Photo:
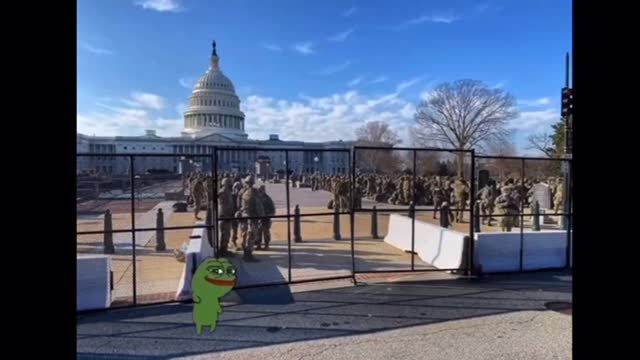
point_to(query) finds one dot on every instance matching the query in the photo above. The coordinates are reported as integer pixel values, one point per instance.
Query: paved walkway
(500, 317)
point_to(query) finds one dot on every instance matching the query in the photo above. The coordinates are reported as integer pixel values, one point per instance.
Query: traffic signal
(567, 102)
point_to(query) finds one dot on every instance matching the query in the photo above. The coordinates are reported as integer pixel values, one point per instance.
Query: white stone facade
(213, 118)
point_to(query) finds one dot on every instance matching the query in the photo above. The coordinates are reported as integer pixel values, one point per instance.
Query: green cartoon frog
(213, 279)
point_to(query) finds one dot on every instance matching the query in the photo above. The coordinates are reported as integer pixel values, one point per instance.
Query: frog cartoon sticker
(213, 279)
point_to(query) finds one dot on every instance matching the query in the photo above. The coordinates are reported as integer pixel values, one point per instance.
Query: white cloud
(537, 102)
(408, 83)
(334, 69)
(272, 47)
(331, 117)
(145, 100)
(114, 121)
(341, 36)
(161, 5)
(305, 48)
(187, 82)
(408, 110)
(355, 81)
(437, 18)
(349, 11)
(535, 120)
(95, 50)
(379, 79)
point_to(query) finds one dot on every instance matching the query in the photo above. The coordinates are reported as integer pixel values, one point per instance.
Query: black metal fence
(122, 205)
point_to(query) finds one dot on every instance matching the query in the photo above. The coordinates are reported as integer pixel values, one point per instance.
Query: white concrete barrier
(494, 251)
(435, 245)
(500, 251)
(93, 278)
(198, 250)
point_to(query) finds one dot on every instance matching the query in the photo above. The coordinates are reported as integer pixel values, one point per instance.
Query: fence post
(444, 215)
(108, 235)
(476, 217)
(374, 223)
(297, 237)
(209, 222)
(536, 216)
(336, 223)
(160, 244)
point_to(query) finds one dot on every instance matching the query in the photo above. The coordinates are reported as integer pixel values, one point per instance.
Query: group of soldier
(503, 196)
(240, 206)
(243, 207)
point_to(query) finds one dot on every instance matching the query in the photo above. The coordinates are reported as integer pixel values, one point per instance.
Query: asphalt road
(500, 317)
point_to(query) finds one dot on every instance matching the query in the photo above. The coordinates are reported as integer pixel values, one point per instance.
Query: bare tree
(501, 148)
(378, 134)
(464, 114)
(543, 143)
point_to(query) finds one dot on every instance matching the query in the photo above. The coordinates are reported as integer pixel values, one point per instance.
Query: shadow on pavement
(167, 331)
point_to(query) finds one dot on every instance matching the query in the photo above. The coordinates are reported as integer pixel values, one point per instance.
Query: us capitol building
(213, 118)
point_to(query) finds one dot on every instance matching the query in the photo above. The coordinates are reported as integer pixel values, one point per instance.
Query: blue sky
(314, 70)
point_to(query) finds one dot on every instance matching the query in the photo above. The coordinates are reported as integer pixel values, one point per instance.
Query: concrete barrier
(93, 279)
(500, 252)
(494, 251)
(198, 250)
(435, 245)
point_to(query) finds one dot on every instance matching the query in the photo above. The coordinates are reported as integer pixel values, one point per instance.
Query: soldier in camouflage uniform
(235, 191)
(407, 195)
(461, 196)
(199, 193)
(487, 203)
(438, 195)
(371, 187)
(264, 234)
(506, 206)
(226, 208)
(558, 200)
(251, 207)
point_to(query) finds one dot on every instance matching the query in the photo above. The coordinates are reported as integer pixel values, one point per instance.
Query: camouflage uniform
(235, 190)
(264, 234)
(438, 196)
(461, 194)
(251, 207)
(199, 194)
(487, 203)
(508, 207)
(226, 208)
(407, 196)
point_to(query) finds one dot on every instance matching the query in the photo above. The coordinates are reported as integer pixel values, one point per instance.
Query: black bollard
(160, 244)
(336, 224)
(444, 215)
(108, 235)
(297, 237)
(536, 216)
(476, 217)
(374, 223)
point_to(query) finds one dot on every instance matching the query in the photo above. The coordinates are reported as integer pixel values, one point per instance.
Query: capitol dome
(214, 107)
